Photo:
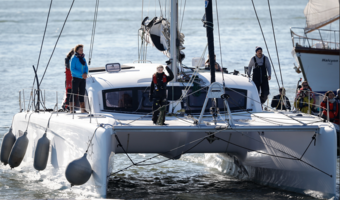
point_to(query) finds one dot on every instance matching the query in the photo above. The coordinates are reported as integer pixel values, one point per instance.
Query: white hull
(320, 70)
(69, 138)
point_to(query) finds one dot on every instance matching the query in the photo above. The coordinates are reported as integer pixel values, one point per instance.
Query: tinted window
(137, 100)
(119, 99)
(143, 101)
(237, 101)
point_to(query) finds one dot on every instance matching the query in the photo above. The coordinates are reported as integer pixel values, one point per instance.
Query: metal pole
(320, 106)
(173, 38)
(20, 100)
(23, 95)
(44, 100)
(323, 44)
(309, 103)
(209, 24)
(34, 100)
(73, 103)
(327, 110)
(281, 99)
(57, 101)
(90, 110)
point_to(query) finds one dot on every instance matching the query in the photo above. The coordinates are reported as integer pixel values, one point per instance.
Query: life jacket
(161, 85)
(260, 71)
(155, 78)
(333, 108)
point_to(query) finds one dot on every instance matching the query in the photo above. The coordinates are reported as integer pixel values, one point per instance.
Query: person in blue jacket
(79, 71)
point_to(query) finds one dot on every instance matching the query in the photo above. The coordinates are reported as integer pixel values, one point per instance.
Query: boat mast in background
(173, 37)
(209, 24)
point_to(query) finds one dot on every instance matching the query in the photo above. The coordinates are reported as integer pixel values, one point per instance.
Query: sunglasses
(305, 85)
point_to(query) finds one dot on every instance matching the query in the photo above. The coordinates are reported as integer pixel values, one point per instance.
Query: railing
(32, 102)
(318, 39)
(318, 99)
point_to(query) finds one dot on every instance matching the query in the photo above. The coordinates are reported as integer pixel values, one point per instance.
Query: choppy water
(193, 176)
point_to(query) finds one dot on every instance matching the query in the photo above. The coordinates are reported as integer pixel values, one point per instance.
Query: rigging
(277, 52)
(93, 30)
(264, 39)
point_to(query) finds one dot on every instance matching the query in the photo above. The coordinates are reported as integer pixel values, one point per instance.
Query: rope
(264, 39)
(191, 80)
(294, 158)
(160, 7)
(313, 139)
(185, 2)
(28, 122)
(214, 134)
(139, 163)
(57, 42)
(219, 38)
(42, 43)
(93, 30)
(88, 146)
(277, 52)
(265, 119)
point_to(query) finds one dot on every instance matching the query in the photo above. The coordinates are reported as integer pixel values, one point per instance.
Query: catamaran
(208, 112)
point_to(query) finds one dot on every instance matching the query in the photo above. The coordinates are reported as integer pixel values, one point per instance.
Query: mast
(173, 38)
(209, 24)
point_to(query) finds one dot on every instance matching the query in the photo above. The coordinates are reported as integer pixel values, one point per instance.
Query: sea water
(194, 176)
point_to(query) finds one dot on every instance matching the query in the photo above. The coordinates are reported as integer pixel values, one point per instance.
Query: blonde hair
(77, 47)
(160, 66)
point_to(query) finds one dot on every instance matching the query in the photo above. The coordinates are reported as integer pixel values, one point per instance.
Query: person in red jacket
(332, 105)
(68, 81)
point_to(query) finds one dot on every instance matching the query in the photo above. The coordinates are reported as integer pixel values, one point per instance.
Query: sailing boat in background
(316, 50)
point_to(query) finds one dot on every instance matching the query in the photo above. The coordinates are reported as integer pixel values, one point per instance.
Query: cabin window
(136, 100)
(143, 101)
(237, 101)
(120, 100)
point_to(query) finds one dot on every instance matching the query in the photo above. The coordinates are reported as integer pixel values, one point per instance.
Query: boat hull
(320, 68)
(264, 154)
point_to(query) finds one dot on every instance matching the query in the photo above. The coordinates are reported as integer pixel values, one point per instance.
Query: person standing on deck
(79, 70)
(158, 91)
(261, 73)
(68, 80)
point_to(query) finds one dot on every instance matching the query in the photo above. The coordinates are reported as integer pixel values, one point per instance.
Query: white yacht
(316, 50)
(287, 150)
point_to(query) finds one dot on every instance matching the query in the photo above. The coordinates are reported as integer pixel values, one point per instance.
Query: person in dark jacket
(281, 99)
(261, 73)
(158, 91)
(217, 66)
(79, 70)
(68, 79)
